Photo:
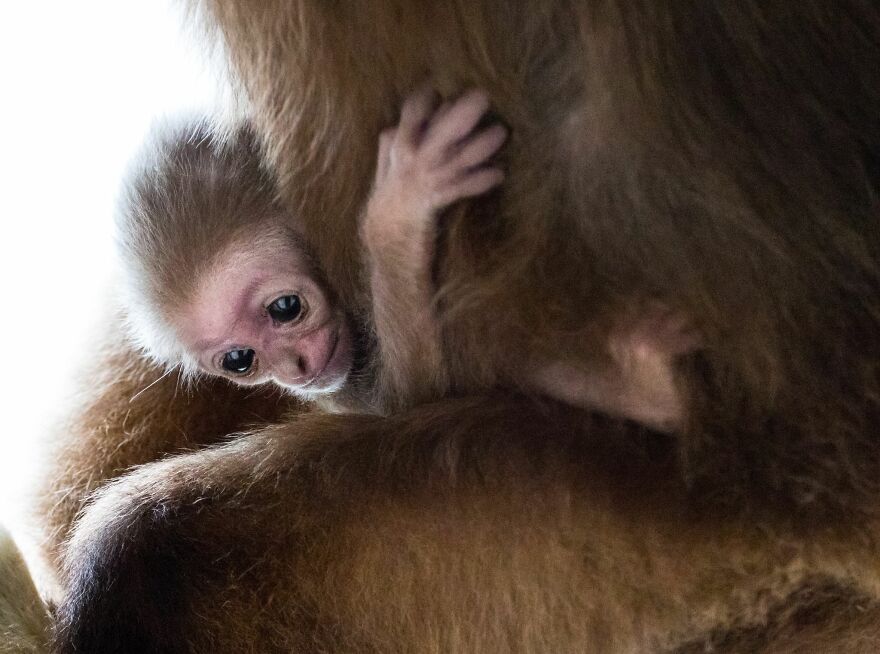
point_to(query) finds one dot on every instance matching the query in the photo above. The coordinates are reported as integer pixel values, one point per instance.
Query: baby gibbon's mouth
(327, 362)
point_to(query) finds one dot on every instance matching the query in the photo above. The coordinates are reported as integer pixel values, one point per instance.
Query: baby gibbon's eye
(238, 361)
(285, 309)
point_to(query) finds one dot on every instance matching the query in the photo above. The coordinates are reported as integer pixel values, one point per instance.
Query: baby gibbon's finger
(415, 113)
(475, 182)
(478, 148)
(458, 121)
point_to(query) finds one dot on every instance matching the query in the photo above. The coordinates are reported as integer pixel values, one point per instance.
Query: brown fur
(818, 618)
(405, 534)
(720, 157)
(709, 155)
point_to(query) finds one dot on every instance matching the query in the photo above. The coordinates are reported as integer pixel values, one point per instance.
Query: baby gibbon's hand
(432, 159)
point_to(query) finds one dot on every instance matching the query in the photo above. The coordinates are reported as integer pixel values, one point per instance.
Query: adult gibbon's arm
(127, 414)
(449, 528)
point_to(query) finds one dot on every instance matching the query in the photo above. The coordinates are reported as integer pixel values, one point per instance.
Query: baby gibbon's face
(261, 316)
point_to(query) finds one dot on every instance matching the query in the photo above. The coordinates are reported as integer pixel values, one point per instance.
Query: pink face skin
(309, 354)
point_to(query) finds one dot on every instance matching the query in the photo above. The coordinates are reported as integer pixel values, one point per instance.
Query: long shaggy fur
(696, 166)
(405, 534)
(711, 155)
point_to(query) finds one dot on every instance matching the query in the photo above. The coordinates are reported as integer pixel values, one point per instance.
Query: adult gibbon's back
(718, 157)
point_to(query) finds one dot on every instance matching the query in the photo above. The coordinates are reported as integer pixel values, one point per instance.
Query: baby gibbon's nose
(301, 360)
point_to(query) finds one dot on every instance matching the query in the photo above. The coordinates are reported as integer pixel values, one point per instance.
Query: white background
(80, 83)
